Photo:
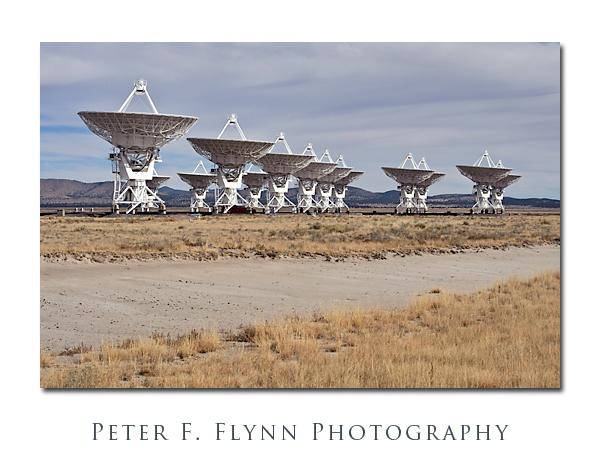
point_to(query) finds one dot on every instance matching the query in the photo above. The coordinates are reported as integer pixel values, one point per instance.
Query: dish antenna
(199, 180)
(484, 179)
(308, 178)
(137, 139)
(279, 167)
(325, 182)
(422, 188)
(255, 181)
(409, 179)
(230, 157)
(340, 189)
(157, 181)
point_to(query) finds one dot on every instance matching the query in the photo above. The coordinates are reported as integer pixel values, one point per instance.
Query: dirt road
(92, 302)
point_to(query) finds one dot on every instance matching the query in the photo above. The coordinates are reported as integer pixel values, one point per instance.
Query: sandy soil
(92, 302)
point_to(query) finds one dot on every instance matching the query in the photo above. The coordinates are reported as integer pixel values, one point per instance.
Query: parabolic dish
(198, 180)
(436, 177)
(230, 153)
(283, 164)
(137, 130)
(254, 179)
(407, 176)
(157, 181)
(506, 181)
(314, 170)
(348, 179)
(484, 175)
(335, 175)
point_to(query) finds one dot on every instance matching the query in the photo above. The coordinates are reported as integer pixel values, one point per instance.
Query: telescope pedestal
(324, 197)
(421, 193)
(407, 202)
(339, 193)
(136, 194)
(278, 187)
(198, 195)
(483, 194)
(306, 190)
(229, 198)
(254, 199)
(497, 195)
(229, 180)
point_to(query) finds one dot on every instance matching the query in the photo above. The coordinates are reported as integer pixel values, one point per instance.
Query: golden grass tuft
(507, 336)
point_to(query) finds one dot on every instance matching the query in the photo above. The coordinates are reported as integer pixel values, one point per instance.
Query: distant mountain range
(71, 193)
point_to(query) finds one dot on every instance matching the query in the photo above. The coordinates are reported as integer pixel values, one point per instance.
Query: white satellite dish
(279, 167)
(340, 189)
(256, 182)
(307, 179)
(409, 180)
(230, 157)
(325, 184)
(137, 139)
(157, 181)
(199, 182)
(484, 179)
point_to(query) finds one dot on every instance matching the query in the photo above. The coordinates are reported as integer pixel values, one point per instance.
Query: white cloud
(371, 102)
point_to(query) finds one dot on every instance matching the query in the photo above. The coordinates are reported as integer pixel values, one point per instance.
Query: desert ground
(90, 302)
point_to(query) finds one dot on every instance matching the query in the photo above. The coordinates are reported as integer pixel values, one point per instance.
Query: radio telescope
(497, 191)
(154, 184)
(279, 168)
(137, 139)
(199, 182)
(325, 182)
(484, 178)
(340, 189)
(157, 181)
(230, 157)
(422, 188)
(255, 181)
(307, 179)
(408, 179)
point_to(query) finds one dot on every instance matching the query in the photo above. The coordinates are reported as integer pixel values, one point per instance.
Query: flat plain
(105, 281)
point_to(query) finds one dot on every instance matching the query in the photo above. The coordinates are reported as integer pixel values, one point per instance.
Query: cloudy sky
(371, 102)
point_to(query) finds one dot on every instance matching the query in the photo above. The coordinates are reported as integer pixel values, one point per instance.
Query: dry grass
(291, 235)
(504, 337)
